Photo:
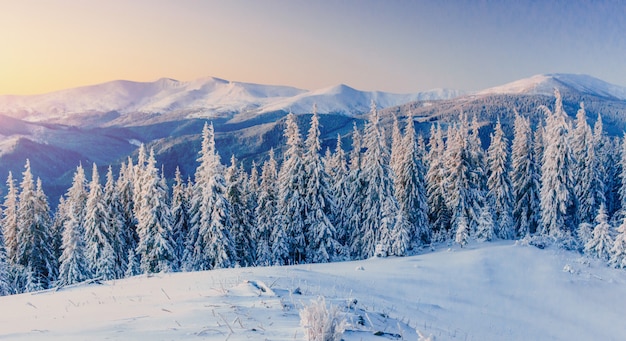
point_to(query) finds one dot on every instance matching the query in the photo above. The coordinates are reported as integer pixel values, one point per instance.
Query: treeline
(560, 184)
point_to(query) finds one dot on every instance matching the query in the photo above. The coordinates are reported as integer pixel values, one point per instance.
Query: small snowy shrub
(322, 323)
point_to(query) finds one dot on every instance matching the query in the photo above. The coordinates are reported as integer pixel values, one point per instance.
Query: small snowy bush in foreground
(322, 323)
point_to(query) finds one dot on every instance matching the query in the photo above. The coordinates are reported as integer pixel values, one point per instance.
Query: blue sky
(398, 46)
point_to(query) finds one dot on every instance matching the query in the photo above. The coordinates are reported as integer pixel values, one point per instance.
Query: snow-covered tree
(210, 245)
(500, 191)
(5, 287)
(485, 229)
(74, 267)
(266, 211)
(241, 225)
(410, 188)
(463, 179)
(34, 241)
(99, 249)
(438, 211)
(586, 170)
(525, 179)
(380, 208)
(156, 246)
(180, 215)
(291, 208)
(601, 242)
(318, 200)
(462, 231)
(397, 145)
(115, 224)
(124, 188)
(9, 220)
(618, 251)
(557, 198)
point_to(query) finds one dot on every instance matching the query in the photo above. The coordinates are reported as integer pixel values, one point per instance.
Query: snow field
(492, 291)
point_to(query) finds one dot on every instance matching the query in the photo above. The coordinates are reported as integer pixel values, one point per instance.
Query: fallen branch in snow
(57, 288)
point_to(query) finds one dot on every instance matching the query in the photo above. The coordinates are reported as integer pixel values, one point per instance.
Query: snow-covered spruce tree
(292, 186)
(622, 178)
(462, 184)
(319, 201)
(410, 188)
(525, 179)
(586, 170)
(180, 216)
(339, 174)
(266, 211)
(610, 157)
(34, 242)
(397, 146)
(462, 231)
(485, 229)
(99, 250)
(380, 208)
(477, 161)
(241, 225)
(500, 191)
(251, 198)
(210, 245)
(73, 267)
(601, 242)
(5, 287)
(9, 220)
(133, 267)
(156, 246)
(351, 197)
(124, 187)
(604, 172)
(438, 211)
(618, 251)
(115, 224)
(557, 197)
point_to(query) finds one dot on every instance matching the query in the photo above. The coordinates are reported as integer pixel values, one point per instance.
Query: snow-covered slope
(208, 97)
(494, 291)
(545, 85)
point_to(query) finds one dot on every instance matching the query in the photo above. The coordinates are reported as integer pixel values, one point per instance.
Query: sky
(395, 46)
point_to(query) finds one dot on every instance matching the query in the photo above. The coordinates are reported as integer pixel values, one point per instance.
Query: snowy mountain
(104, 123)
(202, 98)
(545, 85)
(491, 291)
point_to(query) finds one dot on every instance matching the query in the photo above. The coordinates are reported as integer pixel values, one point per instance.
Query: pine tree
(397, 146)
(380, 208)
(463, 178)
(74, 267)
(556, 175)
(618, 251)
(266, 211)
(5, 288)
(210, 245)
(500, 193)
(601, 242)
(292, 183)
(124, 188)
(462, 231)
(485, 230)
(439, 214)
(588, 189)
(525, 179)
(34, 242)
(410, 187)
(156, 247)
(115, 224)
(353, 189)
(99, 250)
(9, 220)
(318, 200)
(241, 225)
(133, 267)
(180, 216)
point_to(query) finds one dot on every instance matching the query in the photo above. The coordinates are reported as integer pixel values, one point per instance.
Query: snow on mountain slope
(545, 84)
(344, 99)
(492, 291)
(162, 95)
(205, 97)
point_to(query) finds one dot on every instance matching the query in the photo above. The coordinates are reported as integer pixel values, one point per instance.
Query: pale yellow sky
(398, 46)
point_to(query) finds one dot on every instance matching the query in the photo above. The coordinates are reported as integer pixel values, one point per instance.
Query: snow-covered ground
(493, 291)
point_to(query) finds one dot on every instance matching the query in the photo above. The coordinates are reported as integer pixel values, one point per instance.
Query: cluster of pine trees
(559, 184)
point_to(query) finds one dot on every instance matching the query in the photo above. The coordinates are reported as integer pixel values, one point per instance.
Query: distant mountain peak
(544, 84)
